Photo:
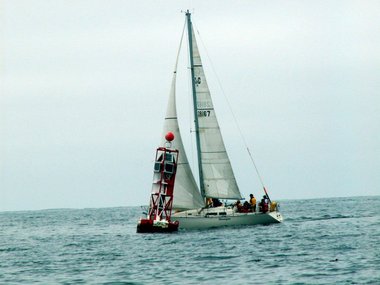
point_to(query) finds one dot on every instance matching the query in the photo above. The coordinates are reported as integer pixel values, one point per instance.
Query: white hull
(223, 216)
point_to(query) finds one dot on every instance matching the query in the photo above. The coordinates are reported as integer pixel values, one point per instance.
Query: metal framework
(161, 198)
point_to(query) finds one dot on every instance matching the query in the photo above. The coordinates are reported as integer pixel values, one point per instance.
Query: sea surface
(322, 241)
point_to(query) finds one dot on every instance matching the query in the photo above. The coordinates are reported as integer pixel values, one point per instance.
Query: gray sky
(84, 87)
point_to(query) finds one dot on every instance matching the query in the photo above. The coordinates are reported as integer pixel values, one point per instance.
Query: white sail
(218, 177)
(186, 193)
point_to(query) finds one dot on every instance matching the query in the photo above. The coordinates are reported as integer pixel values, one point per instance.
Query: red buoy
(169, 136)
(158, 216)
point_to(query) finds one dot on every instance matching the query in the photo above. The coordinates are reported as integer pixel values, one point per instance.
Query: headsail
(186, 193)
(218, 177)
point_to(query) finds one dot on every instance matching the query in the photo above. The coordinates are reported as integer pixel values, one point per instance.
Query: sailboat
(215, 173)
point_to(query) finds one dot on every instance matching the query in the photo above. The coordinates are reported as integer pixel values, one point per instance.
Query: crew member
(264, 204)
(252, 201)
(216, 202)
(239, 206)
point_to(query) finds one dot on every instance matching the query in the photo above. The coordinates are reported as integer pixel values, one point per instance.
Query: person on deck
(216, 202)
(264, 204)
(252, 201)
(247, 207)
(239, 206)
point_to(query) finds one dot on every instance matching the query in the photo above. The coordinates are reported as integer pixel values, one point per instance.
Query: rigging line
(179, 48)
(233, 114)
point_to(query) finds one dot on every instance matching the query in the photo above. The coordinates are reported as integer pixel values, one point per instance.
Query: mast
(197, 139)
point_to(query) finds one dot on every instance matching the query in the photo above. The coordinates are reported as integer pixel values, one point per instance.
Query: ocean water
(322, 241)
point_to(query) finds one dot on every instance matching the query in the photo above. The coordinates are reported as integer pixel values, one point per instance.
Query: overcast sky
(84, 88)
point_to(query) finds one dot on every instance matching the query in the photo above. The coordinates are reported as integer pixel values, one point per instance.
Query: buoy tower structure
(161, 198)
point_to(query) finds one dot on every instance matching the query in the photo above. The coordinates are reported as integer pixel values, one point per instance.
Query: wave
(320, 218)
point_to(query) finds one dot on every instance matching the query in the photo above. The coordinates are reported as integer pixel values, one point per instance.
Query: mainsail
(186, 193)
(218, 178)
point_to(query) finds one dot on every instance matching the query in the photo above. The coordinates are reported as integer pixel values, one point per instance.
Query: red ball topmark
(169, 136)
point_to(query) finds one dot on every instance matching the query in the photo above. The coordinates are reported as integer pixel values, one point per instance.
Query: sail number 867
(204, 113)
